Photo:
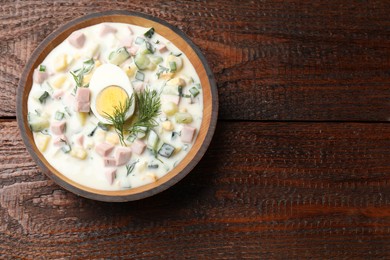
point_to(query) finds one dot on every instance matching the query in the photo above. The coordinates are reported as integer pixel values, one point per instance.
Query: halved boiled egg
(110, 88)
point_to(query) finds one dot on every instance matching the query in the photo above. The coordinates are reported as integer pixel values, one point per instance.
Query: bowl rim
(23, 126)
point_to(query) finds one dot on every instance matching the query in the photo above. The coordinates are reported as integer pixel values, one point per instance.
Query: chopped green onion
(152, 165)
(166, 150)
(66, 148)
(149, 33)
(172, 66)
(130, 167)
(59, 115)
(42, 68)
(45, 95)
(139, 40)
(180, 90)
(140, 76)
(194, 91)
(103, 126)
(92, 132)
(174, 135)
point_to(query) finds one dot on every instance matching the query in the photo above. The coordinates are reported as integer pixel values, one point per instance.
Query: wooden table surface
(300, 163)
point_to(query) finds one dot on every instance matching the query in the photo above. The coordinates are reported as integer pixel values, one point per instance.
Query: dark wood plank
(275, 60)
(270, 190)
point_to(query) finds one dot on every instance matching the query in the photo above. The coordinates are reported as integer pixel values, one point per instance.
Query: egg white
(109, 75)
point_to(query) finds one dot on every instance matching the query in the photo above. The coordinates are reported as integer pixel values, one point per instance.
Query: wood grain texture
(304, 190)
(277, 60)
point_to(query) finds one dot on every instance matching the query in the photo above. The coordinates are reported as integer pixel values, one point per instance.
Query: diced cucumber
(152, 141)
(141, 61)
(37, 123)
(172, 66)
(169, 108)
(43, 97)
(146, 48)
(59, 115)
(166, 150)
(183, 118)
(156, 59)
(119, 56)
(42, 68)
(194, 91)
(140, 76)
(149, 33)
(139, 40)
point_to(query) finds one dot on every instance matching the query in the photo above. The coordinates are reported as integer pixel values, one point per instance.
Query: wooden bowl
(210, 106)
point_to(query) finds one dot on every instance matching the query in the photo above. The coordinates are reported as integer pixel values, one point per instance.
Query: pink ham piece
(110, 175)
(171, 98)
(109, 161)
(127, 41)
(77, 39)
(122, 155)
(82, 107)
(83, 94)
(40, 76)
(80, 140)
(60, 140)
(58, 94)
(138, 147)
(104, 149)
(133, 50)
(106, 29)
(187, 134)
(82, 103)
(161, 48)
(58, 128)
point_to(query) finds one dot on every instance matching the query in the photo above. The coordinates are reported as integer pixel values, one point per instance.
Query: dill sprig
(78, 75)
(148, 103)
(118, 118)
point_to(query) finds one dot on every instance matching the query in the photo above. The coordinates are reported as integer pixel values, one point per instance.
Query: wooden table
(300, 163)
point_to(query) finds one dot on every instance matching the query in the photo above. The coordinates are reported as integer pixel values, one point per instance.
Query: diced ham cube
(161, 48)
(58, 94)
(133, 50)
(82, 106)
(60, 140)
(58, 128)
(171, 98)
(40, 76)
(77, 39)
(104, 149)
(80, 140)
(122, 155)
(127, 41)
(83, 94)
(106, 29)
(138, 147)
(110, 175)
(138, 86)
(109, 161)
(187, 134)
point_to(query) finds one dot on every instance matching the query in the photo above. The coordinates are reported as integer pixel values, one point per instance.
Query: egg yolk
(109, 99)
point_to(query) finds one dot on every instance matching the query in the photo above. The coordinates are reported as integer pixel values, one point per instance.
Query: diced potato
(130, 69)
(42, 141)
(183, 110)
(58, 82)
(112, 138)
(141, 166)
(87, 78)
(79, 153)
(177, 82)
(169, 108)
(97, 63)
(183, 118)
(177, 150)
(82, 117)
(37, 123)
(61, 63)
(166, 76)
(149, 177)
(167, 125)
